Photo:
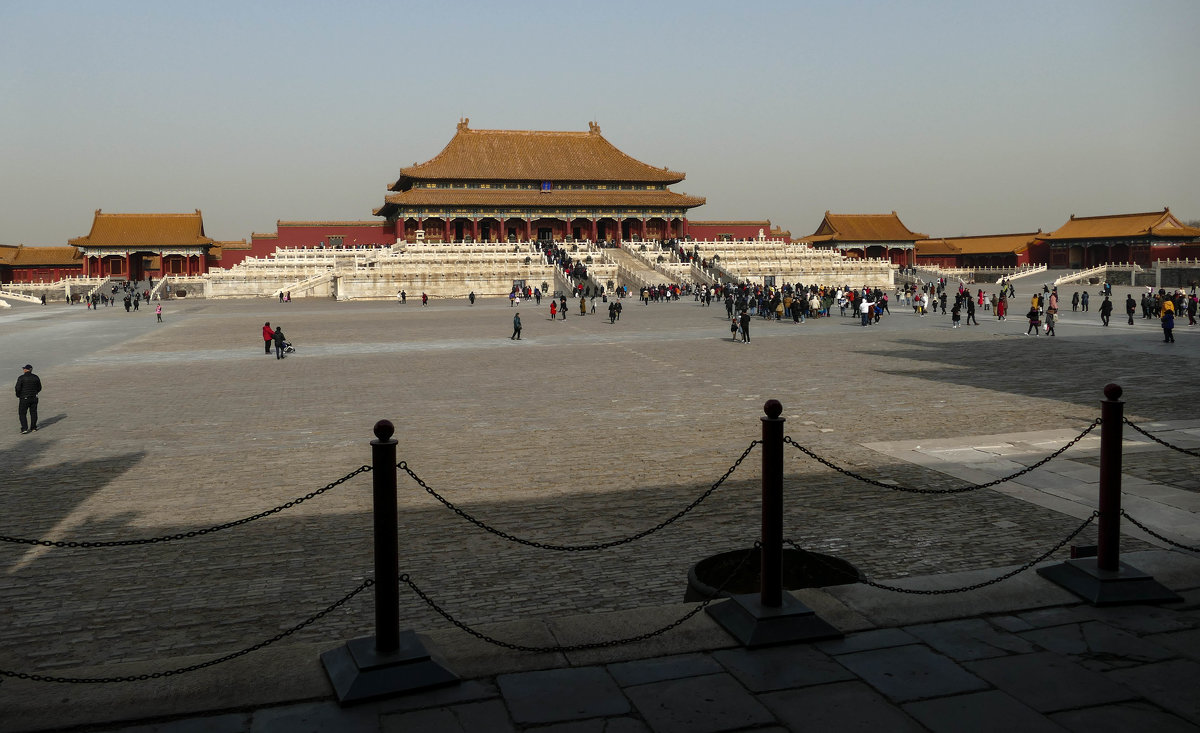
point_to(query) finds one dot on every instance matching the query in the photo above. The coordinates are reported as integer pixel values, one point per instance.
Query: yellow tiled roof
(219, 248)
(981, 244)
(123, 230)
(25, 256)
(1152, 223)
(533, 155)
(863, 228)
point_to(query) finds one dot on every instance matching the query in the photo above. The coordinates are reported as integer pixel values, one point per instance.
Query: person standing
(471, 297)
(424, 300)
(553, 309)
(1083, 302)
(28, 387)
(744, 323)
(516, 327)
(1051, 319)
(279, 343)
(1130, 307)
(268, 337)
(971, 310)
(1106, 309)
(1035, 320)
(1168, 326)
(158, 312)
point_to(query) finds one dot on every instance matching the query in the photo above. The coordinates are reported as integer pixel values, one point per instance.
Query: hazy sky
(965, 117)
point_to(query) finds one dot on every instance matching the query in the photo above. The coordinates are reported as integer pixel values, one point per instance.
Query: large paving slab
(586, 432)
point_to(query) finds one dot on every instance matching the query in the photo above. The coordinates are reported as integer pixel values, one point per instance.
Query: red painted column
(475, 229)
(685, 227)
(595, 230)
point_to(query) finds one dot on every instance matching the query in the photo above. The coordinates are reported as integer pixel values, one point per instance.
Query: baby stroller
(288, 348)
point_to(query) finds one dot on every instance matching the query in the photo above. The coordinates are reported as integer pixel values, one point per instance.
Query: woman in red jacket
(268, 336)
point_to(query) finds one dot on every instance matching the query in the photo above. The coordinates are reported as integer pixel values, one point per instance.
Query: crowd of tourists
(129, 294)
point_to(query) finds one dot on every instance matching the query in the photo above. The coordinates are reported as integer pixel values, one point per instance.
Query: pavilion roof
(25, 256)
(977, 245)
(532, 155)
(558, 198)
(863, 228)
(219, 248)
(1152, 223)
(123, 230)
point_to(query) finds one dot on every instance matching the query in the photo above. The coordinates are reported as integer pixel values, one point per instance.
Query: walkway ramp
(632, 270)
(306, 284)
(19, 296)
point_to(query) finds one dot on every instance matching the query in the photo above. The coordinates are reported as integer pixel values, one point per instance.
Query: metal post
(1112, 411)
(771, 590)
(387, 543)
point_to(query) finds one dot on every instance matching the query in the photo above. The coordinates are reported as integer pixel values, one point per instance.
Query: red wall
(38, 273)
(352, 235)
(704, 231)
(1174, 252)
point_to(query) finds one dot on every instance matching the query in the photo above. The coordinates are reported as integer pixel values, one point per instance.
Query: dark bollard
(771, 616)
(771, 589)
(1104, 580)
(387, 542)
(1112, 410)
(390, 662)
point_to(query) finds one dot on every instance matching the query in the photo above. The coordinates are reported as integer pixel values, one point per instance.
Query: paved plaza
(583, 431)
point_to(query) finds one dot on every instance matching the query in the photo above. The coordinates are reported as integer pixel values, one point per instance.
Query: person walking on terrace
(28, 387)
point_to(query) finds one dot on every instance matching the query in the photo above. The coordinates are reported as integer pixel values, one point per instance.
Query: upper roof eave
(532, 155)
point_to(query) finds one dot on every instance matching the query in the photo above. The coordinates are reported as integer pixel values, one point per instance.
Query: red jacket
(268, 334)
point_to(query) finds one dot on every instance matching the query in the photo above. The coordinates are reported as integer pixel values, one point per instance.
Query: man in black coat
(28, 386)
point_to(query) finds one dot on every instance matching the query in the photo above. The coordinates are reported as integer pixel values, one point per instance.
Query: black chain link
(1152, 533)
(958, 490)
(403, 466)
(183, 670)
(189, 534)
(579, 647)
(1159, 440)
(976, 586)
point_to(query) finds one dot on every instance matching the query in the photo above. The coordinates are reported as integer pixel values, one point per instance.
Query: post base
(755, 625)
(1125, 585)
(359, 672)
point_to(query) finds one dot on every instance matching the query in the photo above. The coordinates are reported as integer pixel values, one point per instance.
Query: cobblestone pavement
(581, 432)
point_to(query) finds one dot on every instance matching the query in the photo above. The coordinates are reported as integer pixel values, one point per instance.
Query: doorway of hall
(545, 234)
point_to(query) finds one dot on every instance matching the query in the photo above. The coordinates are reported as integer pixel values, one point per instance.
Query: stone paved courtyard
(581, 432)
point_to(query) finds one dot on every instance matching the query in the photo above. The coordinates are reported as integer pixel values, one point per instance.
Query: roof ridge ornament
(463, 123)
(594, 127)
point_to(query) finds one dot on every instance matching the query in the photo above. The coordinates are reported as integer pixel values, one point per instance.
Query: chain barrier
(1159, 440)
(976, 586)
(403, 465)
(404, 578)
(958, 490)
(183, 670)
(1152, 533)
(192, 533)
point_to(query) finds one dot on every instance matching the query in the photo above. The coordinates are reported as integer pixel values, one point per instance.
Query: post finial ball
(384, 429)
(773, 408)
(1113, 391)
